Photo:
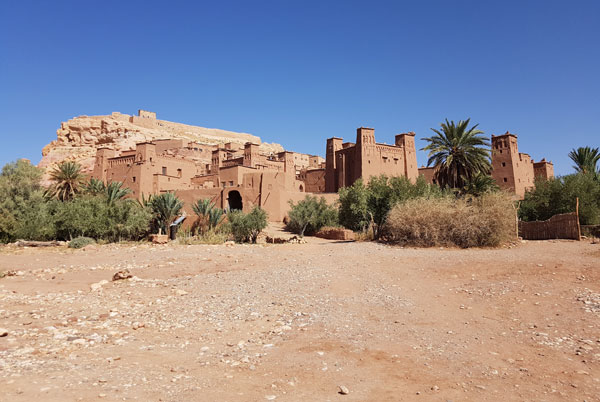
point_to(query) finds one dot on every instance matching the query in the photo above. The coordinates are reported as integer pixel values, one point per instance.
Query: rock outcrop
(78, 138)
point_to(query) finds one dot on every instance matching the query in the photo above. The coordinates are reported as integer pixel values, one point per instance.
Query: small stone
(343, 390)
(122, 274)
(3, 332)
(181, 292)
(435, 388)
(270, 397)
(137, 325)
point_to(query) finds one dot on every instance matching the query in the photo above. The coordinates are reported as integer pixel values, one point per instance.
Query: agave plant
(459, 152)
(67, 180)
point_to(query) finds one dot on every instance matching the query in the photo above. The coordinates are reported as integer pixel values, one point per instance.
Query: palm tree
(480, 184)
(586, 159)
(115, 191)
(209, 216)
(215, 217)
(166, 208)
(459, 153)
(94, 187)
(67, 180)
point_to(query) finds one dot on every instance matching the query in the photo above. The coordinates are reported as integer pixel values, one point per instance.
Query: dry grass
(487, 221)
(210, 237)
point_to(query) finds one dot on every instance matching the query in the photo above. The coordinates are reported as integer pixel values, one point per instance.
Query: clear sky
(298, 72)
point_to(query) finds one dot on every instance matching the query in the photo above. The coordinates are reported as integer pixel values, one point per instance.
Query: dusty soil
(294, 322)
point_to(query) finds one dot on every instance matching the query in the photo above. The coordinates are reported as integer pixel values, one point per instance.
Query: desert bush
(80, 242)
(247, 227)
(558, 196)
(23, 210)
(486, 221)
(310, 215)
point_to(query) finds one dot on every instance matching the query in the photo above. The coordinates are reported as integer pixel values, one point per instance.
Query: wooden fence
(563, 226)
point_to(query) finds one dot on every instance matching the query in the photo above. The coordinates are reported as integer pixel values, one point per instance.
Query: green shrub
(247, 227)
(558, 196)
(310, 215)
(81, 241)
(364, 206)
(486, 221)
(92, 216)
(353, 211)
(23, 212)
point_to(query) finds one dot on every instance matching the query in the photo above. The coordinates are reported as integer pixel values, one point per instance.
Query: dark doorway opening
(235, 200)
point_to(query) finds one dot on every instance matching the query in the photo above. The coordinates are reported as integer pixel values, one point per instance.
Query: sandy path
(293, 322)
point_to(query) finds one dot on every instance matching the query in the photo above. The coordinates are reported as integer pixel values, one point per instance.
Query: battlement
(146, 114)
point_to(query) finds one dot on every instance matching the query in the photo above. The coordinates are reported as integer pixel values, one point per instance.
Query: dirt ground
(294, 322)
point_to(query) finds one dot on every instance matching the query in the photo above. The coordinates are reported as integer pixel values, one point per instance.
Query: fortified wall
(515, 171)
(346, 162)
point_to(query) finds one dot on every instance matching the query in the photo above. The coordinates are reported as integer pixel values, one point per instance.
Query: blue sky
(297, 72)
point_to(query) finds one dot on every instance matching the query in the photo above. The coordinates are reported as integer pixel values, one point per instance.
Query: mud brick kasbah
(241, 176)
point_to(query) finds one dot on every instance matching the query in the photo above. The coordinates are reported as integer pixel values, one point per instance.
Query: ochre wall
(346, 162)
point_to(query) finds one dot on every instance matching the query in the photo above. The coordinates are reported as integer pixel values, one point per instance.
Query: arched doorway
(234, 200)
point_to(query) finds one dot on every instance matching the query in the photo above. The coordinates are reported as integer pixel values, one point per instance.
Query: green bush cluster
(27, 212)
(363, 206)
(245, 227)
(308, 216)
(80, 242)
(559, 195)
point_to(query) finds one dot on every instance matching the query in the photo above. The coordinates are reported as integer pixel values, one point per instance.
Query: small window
(164, 170)
(505, 180)
(133, 179)
(500, 151)
(230, 183)
(178, 172)
(503, 164)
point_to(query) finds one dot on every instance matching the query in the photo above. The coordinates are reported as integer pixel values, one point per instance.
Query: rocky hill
(78, 138)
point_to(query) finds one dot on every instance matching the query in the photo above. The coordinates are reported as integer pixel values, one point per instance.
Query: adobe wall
(313, 180)
(146, 114)
(143, 171)
(144, 118)
(346, 162)
(512, 170)
(543, 169)
(428, 174)
(333, 145)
